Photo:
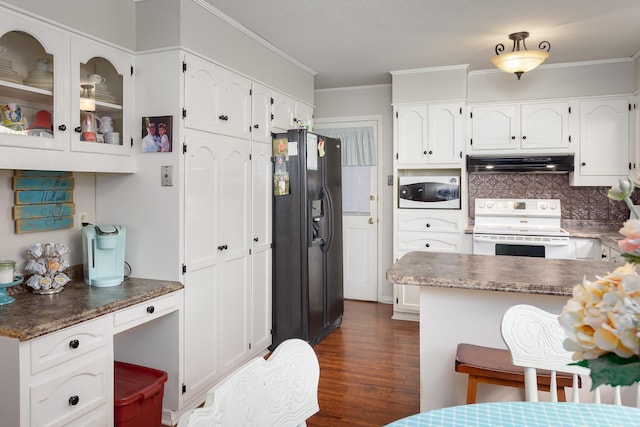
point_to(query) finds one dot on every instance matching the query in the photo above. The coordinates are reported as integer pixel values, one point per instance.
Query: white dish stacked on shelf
(41, 77)
(7, 73)
(104, 95)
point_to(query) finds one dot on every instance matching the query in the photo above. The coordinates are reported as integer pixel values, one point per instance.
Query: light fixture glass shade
(519, 61)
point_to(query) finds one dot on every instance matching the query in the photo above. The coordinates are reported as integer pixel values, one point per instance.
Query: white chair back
(534, 338)
(281, 391)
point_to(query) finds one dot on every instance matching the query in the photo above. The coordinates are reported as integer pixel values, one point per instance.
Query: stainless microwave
(429, 192)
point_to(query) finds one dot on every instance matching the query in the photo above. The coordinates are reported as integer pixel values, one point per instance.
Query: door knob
(371, 220)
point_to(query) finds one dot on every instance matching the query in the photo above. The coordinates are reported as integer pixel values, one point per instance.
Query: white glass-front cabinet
(108, 73)
(41, 71)
(34, 61)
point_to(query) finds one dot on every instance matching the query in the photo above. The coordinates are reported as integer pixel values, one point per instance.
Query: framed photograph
(157, 134)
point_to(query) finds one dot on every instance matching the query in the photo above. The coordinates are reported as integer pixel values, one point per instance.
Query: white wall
(195, 25)
(14, 245)
(109, 20)
(594, 78)
(369, 101)
(432, 84)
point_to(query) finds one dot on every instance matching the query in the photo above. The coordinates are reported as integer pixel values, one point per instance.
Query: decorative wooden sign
(43, 200)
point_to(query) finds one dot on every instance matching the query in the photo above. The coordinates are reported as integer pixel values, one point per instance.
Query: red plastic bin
(138, 395)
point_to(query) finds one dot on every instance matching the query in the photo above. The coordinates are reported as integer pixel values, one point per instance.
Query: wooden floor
(369, 369)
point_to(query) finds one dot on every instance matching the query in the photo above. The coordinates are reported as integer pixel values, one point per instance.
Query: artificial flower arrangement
(602, 320)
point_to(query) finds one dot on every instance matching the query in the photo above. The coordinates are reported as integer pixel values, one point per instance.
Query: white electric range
(520, 227)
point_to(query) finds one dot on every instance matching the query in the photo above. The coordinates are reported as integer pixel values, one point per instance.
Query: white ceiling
(357, 42)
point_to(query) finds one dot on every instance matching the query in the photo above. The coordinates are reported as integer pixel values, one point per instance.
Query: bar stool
(493, 366)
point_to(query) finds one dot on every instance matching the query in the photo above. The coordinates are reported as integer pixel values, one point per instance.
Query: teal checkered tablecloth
(525, 414)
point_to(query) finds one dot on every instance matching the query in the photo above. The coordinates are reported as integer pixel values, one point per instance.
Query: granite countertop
(32, 315)
(529, 275)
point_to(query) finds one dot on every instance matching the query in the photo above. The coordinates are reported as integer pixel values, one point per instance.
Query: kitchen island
(463, 298)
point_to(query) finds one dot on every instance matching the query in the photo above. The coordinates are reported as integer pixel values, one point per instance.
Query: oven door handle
(489, 239)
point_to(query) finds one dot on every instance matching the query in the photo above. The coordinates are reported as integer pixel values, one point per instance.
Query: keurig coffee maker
(103, 254)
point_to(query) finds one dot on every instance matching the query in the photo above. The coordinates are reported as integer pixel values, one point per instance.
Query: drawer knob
(74, 343)
(62, 128)
(78, 129)
(428, 225)
(427, 245)
(151, 309)
(73, 400)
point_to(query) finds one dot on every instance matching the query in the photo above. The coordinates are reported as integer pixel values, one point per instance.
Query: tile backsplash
(578, 203)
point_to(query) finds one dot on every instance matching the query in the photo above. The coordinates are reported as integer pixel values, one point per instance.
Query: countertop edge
(156, 289)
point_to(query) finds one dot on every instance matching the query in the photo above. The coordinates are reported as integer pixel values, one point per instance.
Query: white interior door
(360, 246)
(360, 229)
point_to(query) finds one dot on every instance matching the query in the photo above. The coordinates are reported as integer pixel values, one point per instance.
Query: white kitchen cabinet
(62, 378)
(604, 156)
(45, 59)
(406, 299)
(261, 97)
(215, 99)
(430, 134)
(201, 229)
(424, 230)
(614, 255)
(586, 249)
(261, 253)
(217, 233)
(289, 113)
(526, 128)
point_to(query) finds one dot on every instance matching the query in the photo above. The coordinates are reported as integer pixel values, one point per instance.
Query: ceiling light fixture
(520, 60)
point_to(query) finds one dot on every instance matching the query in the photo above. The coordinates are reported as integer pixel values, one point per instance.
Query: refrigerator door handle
(329, 202)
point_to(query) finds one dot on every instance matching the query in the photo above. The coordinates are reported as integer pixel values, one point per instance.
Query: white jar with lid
(7, 271)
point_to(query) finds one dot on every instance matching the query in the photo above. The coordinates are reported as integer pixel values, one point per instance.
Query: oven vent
(554, 163)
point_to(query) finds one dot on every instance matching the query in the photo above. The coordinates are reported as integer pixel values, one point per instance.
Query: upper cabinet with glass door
(102, 80)
(45, 70)
(33, 59)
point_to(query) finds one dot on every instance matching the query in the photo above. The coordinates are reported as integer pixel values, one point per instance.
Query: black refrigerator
(308, 297)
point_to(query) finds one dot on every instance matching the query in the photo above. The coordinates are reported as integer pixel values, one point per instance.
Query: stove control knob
(553, 206)
(489, 205)
(543, 206)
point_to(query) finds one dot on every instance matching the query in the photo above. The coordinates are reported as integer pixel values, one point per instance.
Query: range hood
(529, 163)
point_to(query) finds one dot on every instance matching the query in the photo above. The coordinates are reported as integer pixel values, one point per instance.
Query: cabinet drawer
(146, 311)
(71, 394)
(428, 221)
(68, 343)
(430, 242)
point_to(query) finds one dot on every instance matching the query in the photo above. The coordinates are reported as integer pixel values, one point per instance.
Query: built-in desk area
(463, 298)
(57, 351)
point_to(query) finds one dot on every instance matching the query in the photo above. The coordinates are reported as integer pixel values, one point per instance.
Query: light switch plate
(166, 176)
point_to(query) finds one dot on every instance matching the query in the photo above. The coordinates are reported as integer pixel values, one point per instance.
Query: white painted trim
(430, 69)
(253, 35)
(440, 101)
(71, 30)
(379, 184)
